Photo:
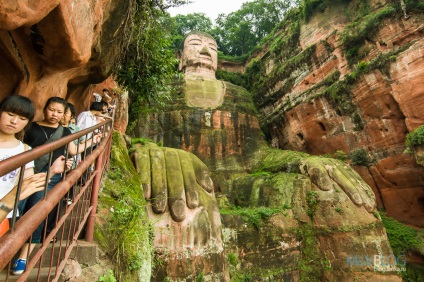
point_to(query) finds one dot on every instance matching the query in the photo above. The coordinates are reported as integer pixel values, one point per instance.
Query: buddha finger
(190, 184)
(159, 185)
(175, 180)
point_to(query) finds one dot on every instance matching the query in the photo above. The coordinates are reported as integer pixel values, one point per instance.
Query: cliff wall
(351, 79)
(58, 48)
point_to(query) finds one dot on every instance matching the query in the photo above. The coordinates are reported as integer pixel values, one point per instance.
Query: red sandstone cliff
(58, 48)
(388, 102)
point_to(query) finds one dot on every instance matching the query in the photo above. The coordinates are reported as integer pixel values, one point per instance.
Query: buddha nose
(205, 51)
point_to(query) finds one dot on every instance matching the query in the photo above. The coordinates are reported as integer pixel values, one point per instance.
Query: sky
(210, 7)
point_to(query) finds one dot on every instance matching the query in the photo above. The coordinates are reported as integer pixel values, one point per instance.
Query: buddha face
(199, 51)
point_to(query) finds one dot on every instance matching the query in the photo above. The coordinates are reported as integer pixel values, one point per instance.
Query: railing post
(89, 232)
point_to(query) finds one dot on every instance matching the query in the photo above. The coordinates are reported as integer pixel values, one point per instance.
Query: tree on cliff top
(183, 24)
(147, 61)
(238, 32)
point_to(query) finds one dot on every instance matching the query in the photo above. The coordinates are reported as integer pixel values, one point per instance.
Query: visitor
(97, 97)
(88, 118)
(66, 122)
(37, 134)
(15, 114)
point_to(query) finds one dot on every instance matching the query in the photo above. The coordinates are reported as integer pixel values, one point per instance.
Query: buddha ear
(179, 57)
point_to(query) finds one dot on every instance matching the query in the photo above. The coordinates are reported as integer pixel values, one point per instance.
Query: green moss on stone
(310, 267)
(275, 160)
(403, 238)
(354, 35)
(124, 233)
(254, 216)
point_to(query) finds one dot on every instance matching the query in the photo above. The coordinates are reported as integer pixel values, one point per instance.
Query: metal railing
(70, 219)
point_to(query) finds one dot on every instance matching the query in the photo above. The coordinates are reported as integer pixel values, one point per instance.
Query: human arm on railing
(74, 149)
(31, 183)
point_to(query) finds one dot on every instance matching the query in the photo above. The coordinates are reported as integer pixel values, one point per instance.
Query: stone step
(44, 275)
(85, 253)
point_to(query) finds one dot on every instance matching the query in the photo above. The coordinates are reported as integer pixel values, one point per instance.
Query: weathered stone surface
(224, 138)
(333, 243)
(72, 270)
(315, 198)
(57, 48)
(184, 214)
(419, 155)
(385, 104)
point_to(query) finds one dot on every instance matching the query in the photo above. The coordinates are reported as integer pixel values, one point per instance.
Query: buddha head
(199, 55)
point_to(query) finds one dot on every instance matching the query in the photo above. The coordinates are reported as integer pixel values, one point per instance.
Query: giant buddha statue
(214, 149)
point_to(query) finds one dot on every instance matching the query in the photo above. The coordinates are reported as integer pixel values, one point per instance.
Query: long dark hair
(21, 106)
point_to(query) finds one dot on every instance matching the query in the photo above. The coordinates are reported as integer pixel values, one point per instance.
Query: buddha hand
(329, 174)
(173, 180)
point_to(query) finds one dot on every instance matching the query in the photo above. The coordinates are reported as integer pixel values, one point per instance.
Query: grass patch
(125, 233)
(355, 34)
(402, 238)
(312, 201)
(360, 157)
(254, 216)
(414, 139)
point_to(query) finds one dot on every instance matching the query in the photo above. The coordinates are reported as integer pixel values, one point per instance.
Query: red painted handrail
(83, 207)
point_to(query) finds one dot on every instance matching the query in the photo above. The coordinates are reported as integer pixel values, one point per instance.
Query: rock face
(315, 96)
(309, 224)
(57, 48)
(223, 138)
(184, 214)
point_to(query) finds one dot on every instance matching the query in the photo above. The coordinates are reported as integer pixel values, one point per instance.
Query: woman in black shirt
(37, 134)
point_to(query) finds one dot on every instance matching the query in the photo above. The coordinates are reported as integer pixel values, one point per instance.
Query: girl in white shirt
(15, 114)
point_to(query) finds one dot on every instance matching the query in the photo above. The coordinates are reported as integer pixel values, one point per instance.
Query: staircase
(87, 254)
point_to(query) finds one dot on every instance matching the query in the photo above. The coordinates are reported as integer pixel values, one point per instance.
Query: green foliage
(310, 266)
(184, 24)
(354, 35)
(199, 277)
(376, 215)
(312, 201)
(148, 63)
(340, 155)
(254, 216)
(357, 121)
(261, 173)
(339, 210)
(360, 157)
(310, 6)
(108, 277)
(326, 264)
(233, 259)
(141, 140)
(239, 32)
(127, 222)
(240, 59)
(232, 77)
(402, 238)
(327, 46)
(415, 138)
